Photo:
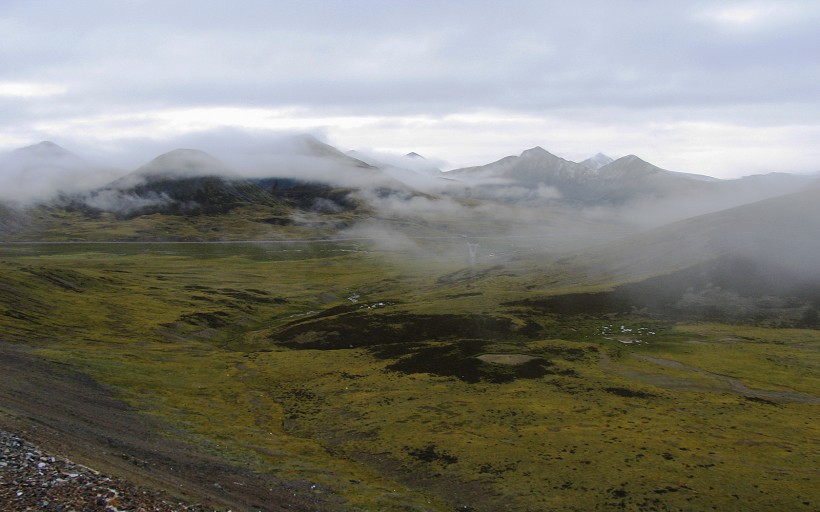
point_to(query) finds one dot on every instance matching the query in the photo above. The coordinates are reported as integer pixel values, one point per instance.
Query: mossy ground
(247, 222)
(202, 336)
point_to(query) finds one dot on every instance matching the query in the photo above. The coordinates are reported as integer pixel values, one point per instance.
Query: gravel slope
(66, 413)
(31, 479)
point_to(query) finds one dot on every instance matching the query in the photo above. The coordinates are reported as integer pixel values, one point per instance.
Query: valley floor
(329, 378)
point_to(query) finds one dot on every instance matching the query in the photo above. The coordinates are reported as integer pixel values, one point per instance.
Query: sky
(719, 88)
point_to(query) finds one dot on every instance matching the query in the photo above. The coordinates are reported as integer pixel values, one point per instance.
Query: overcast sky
(720, 88)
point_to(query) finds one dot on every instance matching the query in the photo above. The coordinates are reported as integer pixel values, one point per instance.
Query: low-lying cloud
(125, 203)
(31, 177)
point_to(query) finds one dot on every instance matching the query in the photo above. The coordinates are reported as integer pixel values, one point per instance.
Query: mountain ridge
(781, 230)
(312, 176)
(596, 161)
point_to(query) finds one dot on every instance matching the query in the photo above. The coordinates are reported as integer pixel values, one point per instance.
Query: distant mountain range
(306, 175)
(535, 176)
(628, 183)
(192, 182)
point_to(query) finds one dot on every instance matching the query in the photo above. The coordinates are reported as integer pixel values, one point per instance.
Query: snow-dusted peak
(596, 162)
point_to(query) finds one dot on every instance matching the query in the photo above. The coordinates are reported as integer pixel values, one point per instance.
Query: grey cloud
(44, 172)
(255, 154)
(532, 55)
(123, 203)
(660, 61)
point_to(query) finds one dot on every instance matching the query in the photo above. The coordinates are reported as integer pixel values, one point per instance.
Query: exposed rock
(31, 479)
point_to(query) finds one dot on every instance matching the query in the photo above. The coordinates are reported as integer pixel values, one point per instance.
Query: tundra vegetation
(392, 382)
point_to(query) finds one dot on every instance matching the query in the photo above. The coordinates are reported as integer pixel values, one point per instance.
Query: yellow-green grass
(248, 222)
(191, 338)
(774, 359)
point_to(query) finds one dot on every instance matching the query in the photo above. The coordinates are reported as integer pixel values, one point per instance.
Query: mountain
(782, 231)
(176, 164)
(47, 151)
(41, 172)
(630, 178)
(597, 161)
(534, 176)
(307, 159)
(534, 166)
(180, 182)
(310, 196)
(539, 175)
(308, 145)
(317, 178)
(653, 197)
(418, 163)
(301, 182)
(296, 180)
(628, 189)
(412, 169)
(412, 161)
(755, 263)
(761, 186)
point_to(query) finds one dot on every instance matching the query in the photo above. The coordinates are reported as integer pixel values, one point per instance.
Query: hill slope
(180, 182)
(754, 263)
(783, 230)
